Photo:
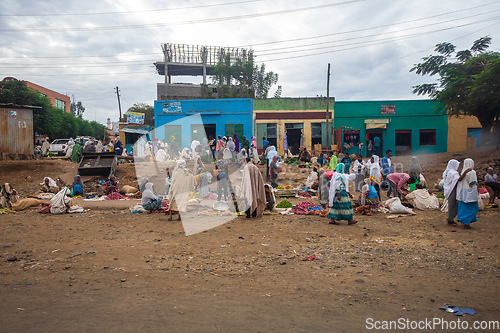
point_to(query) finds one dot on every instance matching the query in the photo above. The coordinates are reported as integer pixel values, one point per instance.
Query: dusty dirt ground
(109, 270)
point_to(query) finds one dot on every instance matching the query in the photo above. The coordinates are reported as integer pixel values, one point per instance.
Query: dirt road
(109, 270)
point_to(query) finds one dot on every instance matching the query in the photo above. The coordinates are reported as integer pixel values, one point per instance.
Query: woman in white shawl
(185, 155)
(255, 155)
(45, 146)
(227, 154)
(198, 165)
(150, 200)
(359, 168)
(375, 174)
(98, 148)
(311, 178)
(180, 186)
(450, 177)
(161, 156)
(340, 204)
(467, 194)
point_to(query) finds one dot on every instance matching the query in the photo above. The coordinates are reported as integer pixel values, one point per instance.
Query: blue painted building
(195, 118)
(407, 127)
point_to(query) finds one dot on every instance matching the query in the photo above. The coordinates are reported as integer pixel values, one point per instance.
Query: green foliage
(77, 109)
(251, 80)
(148, 110)
(262, 81)
(469, 81)
(49, 120)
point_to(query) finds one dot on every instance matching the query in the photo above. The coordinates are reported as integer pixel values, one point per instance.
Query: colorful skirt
(341, 209)
(467, 212)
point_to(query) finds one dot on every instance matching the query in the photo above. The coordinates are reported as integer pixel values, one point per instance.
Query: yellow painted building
(294, 116)
(462, 132)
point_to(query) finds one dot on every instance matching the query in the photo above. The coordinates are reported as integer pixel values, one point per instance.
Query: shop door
(197, 132)
(174, 130)
(293, 133)
(371, 135)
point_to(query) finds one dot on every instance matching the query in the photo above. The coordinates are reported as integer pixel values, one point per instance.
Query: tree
(252, 81)
(277, 93)
(263, 81)
(469, 82)
(148, 110)
(48, 120)
(77, 109)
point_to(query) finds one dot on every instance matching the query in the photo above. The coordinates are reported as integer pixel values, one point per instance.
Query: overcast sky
(86, 48)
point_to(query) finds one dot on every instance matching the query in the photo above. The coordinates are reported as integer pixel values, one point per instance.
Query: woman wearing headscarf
(174, 147)
(49, 186)
(77, 186)
(8, 196)
(375, 173)
(324, 187)
(255, 155)
(150, 200)
(76, 153)
(161, 155)
(220, 144)
(180, 186)
(369, 195)
(231, 146)
(254, 142)
(198, 165)
(111, 185)
(269, 157)
(450, 177)
(45, 146)
(359, 168)
(245, 144)
(340, 204)
(285, 142)
(236, 141)
(347, 161)
(274, 171)
(467, 194)
(415, 170)
(252, 187)
(222, 176)
(99, 147)
(311, 178)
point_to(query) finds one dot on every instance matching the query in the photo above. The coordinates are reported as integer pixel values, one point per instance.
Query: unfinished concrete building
(192, 60)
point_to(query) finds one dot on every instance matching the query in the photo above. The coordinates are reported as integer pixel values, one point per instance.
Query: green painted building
(407, 127)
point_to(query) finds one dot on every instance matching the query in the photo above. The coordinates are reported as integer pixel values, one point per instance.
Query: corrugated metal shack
(16, 131)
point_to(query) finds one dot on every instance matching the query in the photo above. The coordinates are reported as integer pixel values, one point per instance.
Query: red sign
(388, 109)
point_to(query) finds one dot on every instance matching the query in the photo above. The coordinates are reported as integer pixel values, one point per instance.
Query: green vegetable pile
(284, 204)
(440, 196)
(293, 161)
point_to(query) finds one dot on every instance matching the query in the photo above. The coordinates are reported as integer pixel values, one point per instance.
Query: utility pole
(119, 105)
(327, 108)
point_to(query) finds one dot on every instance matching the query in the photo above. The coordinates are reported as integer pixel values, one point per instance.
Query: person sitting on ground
(270, 198)
(397, 181)
(8, 196)
(321, 159)
(46, 188)
(150, 200)
(311, 178)
(305, 156)
(78, 187)
(491, 180)
(369, 195)
(111, 185)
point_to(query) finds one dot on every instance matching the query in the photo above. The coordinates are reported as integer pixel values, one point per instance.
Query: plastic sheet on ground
(395, 207)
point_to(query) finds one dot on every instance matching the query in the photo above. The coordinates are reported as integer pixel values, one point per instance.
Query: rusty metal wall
(16, 130)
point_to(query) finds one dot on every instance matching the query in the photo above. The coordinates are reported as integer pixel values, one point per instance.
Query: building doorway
(293, 133)
(403, 142)
(174, 130)
(372, 135)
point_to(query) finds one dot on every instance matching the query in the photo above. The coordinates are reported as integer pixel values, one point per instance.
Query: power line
(361, 46)
(374, 35)
(366, 29)
(80, 74)
(89, 56)
(156, 25)
(130, 11)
